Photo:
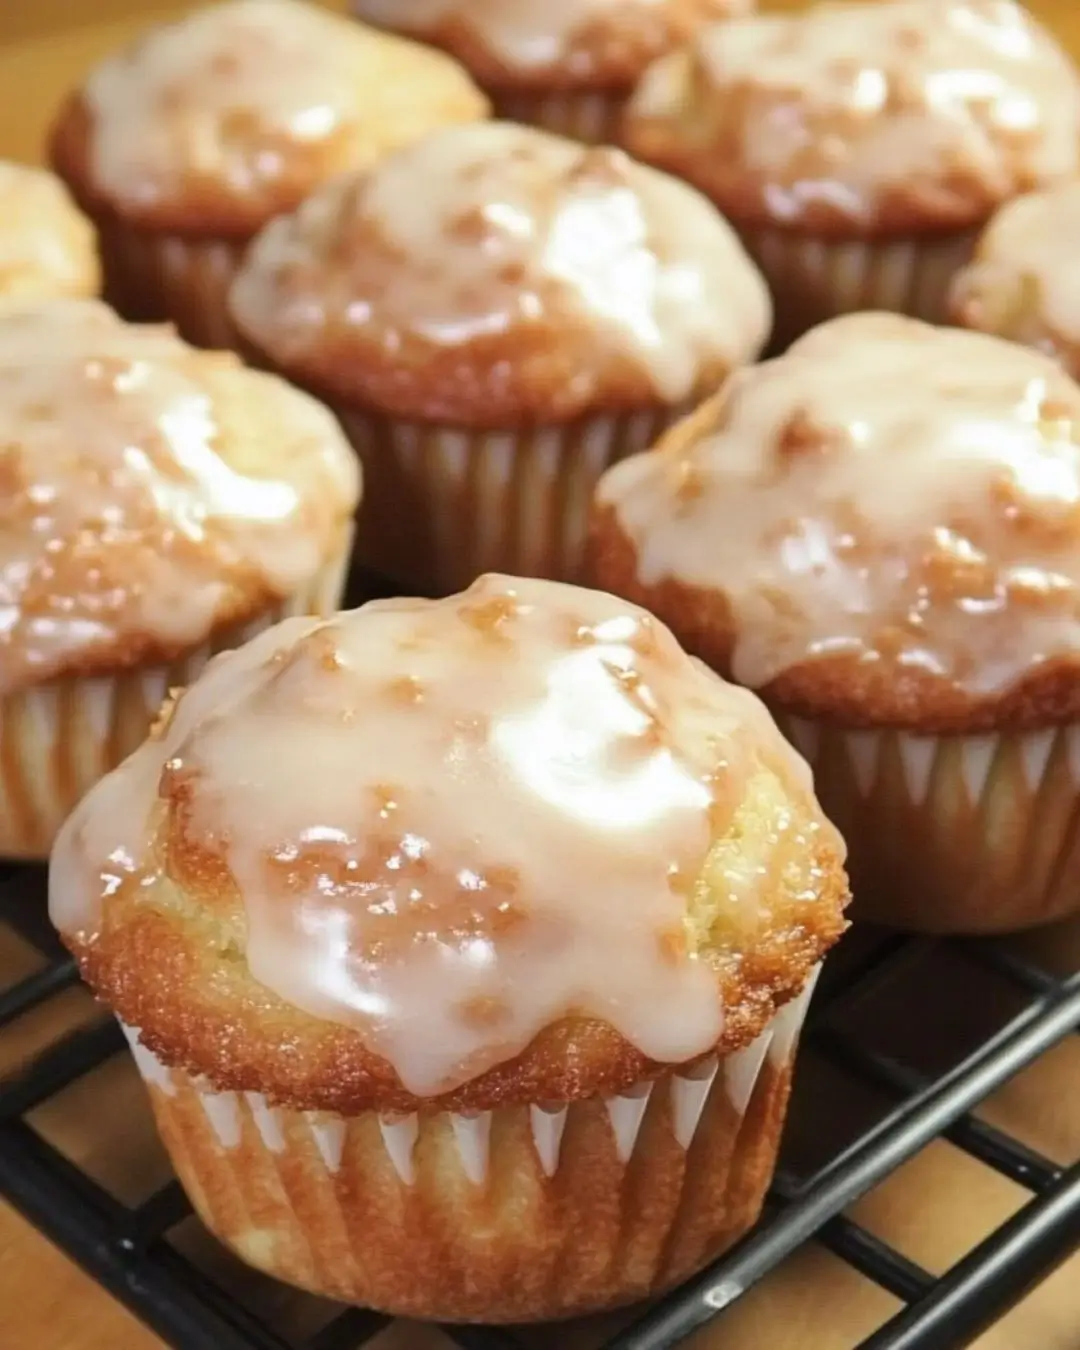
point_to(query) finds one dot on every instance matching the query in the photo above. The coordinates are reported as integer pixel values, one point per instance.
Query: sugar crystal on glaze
(482, 231)
(479, 815)
(853, 112)
(132, 506)
(888, 491)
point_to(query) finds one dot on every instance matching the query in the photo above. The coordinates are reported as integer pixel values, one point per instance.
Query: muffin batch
(472, 935)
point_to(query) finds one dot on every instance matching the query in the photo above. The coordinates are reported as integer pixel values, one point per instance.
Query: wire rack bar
(127, 1249)
(993, 1277)
(881, 1151)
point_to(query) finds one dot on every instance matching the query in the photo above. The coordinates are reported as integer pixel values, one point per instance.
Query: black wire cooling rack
(127, 1247)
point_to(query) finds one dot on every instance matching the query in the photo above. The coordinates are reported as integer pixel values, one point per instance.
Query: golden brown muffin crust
(218, 942)
(879, 529)
(905, 117)
(213, 124)
(152, 495)
(495, 275)
(607, 48)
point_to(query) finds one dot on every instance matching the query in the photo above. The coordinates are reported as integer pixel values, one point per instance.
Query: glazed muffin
(47, 245)
(464, 946)
(566, 65)
(183, 145)
(156, 504)
(1024, 281)
(880, 533)
(860, 148)
(496, 314)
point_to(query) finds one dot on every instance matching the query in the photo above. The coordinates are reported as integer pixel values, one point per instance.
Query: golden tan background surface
(934, 1209)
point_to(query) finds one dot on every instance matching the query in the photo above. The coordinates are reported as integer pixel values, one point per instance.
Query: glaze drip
(452, 824)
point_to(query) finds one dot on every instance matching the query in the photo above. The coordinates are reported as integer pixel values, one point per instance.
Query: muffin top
(910, 115)
(882, 527)
(47, 246)
(512, 845)
(1024, 281)
(218, 121)
(493, 273)
(564, 44)
(148, 492)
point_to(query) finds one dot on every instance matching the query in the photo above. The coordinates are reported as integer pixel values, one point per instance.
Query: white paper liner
(472, 1132)
(59, 737)
(151, 276)
(818, 279)
(978, 754)
(485, 501)
(592, 116)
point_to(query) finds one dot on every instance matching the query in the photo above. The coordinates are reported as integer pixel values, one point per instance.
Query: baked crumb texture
(478, 929)
(879, 533)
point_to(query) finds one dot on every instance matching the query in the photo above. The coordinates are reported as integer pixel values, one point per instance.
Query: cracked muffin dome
(881, 527)
(182, 145)
(495, 273)
(47, 246)
(513, 846)
(1024, 280)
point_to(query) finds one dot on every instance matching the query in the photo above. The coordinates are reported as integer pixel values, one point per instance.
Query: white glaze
(838, 106)
(886, 490)
(1024, 283)
(257, 95)
(486, 230)
(523, 34)
(492, 770)
(145, 485)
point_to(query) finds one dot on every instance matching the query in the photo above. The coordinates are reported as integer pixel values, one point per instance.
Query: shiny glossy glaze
(888, 491)
(138, 493)
(453, 823)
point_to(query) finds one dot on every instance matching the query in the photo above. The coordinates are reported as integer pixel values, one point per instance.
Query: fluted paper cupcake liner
(953, 834)
(590, 115)
(153, 277)
(58, 738)
(516, 1214)
(443, 505)
(818, 279)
